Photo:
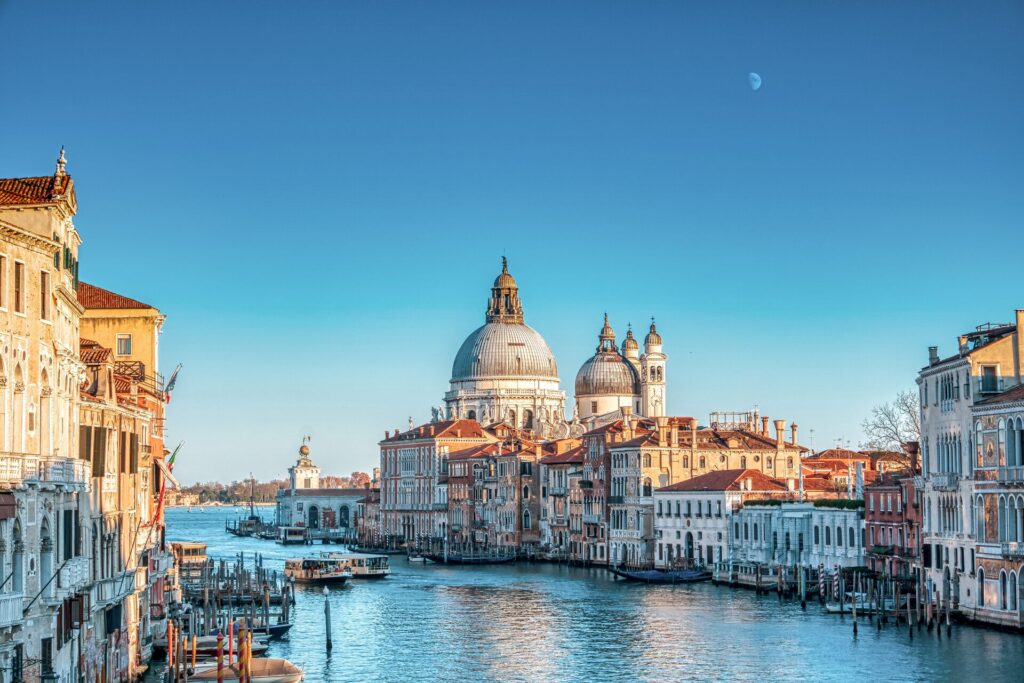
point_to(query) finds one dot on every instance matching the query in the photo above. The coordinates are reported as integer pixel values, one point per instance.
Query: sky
(318, 196)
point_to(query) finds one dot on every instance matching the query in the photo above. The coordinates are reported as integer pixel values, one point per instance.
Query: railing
(115, 588)
(616, 500)
(592, 518)
(944, 481)
(11, 606)
(586, 484)
(73, 577)
(1012, 549)
(1010, 474)
(16, 468)
(558, 520)
(556, 490)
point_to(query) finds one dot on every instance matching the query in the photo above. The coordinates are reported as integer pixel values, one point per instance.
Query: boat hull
(662, 576)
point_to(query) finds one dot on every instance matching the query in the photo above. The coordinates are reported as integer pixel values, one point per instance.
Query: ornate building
(505, 372)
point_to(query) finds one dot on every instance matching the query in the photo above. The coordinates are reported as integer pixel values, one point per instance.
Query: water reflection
(551, 623)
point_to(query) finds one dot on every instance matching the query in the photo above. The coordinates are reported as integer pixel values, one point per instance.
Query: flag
(170, 460)
(170, 383)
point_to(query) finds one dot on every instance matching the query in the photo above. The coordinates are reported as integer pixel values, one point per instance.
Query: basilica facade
(505, 373)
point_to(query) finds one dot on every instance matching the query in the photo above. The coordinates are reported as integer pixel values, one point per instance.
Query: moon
(755, 80)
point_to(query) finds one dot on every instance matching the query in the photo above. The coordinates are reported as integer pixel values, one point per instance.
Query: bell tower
(304, 474)
(652, 375)
(504, 305)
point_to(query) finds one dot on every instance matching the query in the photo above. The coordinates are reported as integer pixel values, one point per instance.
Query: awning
(166, 471)
(7, 506)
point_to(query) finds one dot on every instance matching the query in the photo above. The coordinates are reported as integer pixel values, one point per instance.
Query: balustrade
(11, 607)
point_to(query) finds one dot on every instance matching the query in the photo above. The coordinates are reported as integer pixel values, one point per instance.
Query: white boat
(324, 570)
(362, 565)
(862, 601)
(263, 670)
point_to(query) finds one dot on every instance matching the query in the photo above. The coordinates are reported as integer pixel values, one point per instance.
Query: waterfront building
(326, 512)
(997, 509)
(410, 464)
(692, 518)
(966, 399)
(368, 518)
(560, 475)
(827, 532)
(668, 450)
(892, 525)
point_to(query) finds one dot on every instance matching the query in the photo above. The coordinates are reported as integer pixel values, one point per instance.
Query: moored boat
(324, 570)
(261, 670)
(471, 558)
(291, 535)
(206, 646)
(662, 575)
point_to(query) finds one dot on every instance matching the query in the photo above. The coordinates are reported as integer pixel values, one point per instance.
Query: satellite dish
(755, 81)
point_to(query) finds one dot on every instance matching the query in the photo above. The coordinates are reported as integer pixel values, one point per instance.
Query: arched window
(768, 462)
(527, 419)
(817, 535)
(471, 415)
(871, 535)
(743, 462)
(1001, 455)
(853, 539)
(647, 459)
(1013, 603)
(647, 486)
(18, 560)
(981, 587)
(526, 493)
(828, 535)
(526, 519)
(703, 463)
(755, 531)
(978, 441)
(1002, 590)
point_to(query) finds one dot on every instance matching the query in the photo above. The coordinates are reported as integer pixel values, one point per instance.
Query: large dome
(503, 350)
(607, 374)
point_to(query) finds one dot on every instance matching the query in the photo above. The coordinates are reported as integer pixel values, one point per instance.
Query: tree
(893, 424)
(359, 480)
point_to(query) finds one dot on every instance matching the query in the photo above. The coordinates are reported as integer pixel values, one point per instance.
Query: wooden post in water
(220, 658)
(327, 617)
(803, 588)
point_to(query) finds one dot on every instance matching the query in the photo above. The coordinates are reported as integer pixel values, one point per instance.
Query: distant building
(892, 524)
(304, 503)
(824, 533)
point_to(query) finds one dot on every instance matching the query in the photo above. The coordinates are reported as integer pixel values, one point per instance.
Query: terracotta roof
(838, 454)
(574, 455)
(727, 480)
(473, 452)
(122, 384)
(37, 190)
(92, 296)
(94, 355)
(444, 428)
(1008, 396)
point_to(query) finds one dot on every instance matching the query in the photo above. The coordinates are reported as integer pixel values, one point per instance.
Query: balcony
(439, 506)
(19, 468)
(73, 577)
(114, 589)
(556, 490)
(590, 518)
(944, 481)
(1010, 475)
(586, 484)
(1012, 549)
(11, 606)
(558, 520)
(616, 500)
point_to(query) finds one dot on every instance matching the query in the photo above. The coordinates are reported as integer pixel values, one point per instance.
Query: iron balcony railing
(944, 481)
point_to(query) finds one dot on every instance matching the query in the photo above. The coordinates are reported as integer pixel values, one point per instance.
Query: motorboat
(326, 570)
(291, 535)
(361, 565)
(261, 670)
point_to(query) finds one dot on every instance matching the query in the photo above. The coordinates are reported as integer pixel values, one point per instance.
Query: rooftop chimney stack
(793, 428)
(673, 434)
(764, 425)
(662, 422)
(780, 433)
(933, 355)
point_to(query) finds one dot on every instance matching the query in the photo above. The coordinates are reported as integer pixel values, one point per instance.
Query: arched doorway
(313, 517)
(689, 546)
(981, 587)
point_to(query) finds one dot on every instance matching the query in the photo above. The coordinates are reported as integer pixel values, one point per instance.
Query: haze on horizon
(318, 198)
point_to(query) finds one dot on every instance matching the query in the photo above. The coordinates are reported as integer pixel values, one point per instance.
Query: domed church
(612, 379)
(505, 371)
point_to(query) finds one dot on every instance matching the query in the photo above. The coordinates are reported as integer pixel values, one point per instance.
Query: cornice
(41, 243)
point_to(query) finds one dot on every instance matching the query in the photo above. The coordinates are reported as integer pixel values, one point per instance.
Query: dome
(500, 349)
(630, 343)
(652, 337)
(505, 279)
(607, 374)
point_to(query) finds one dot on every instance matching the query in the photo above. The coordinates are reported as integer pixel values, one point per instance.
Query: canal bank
(535, 622)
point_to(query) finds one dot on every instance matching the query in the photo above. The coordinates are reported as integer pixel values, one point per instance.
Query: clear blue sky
(318, 195)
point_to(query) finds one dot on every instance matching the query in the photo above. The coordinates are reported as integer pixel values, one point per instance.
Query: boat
(470, 558)
(261, 670)
(291, 535)
(862, 601)
(362, 565)
(190, 560)
(206, 646)
(251, 525)
(416, 557)
(274, 631)
(662, 575)
(317, 570)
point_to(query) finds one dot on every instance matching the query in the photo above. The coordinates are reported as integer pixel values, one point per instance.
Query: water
(549, 623)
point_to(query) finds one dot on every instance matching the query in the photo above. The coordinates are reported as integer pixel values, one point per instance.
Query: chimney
(764, 425)
(431, 429)
(912, 448)
(780, 433)
(626, 411)
(962, 343)
(673, 434)
(790, 484)
(793, 430)
(662, 422)
(933, 355)
(387, 435)
(693, 442)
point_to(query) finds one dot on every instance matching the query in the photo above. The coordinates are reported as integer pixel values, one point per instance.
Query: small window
(44, 295)
(19, 287)
(124, 344)
(593, 407)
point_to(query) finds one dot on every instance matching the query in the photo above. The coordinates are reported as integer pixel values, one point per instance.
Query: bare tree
(893, 424)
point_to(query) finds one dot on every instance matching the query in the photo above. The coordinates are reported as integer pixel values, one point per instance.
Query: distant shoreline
(223, 505)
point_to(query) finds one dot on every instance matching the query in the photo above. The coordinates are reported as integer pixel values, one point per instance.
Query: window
(19, 287)
(593, 407)
(44, 295)
(988, 378)
(124, 344)
(817, 535)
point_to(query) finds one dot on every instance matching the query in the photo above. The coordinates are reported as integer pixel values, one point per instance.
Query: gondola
(454, 558)
(662, 575)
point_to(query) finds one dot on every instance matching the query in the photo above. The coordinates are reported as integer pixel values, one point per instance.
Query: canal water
(552, 623)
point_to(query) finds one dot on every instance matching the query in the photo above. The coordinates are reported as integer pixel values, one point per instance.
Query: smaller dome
(652, 337)
(607, 374)
(630, 342)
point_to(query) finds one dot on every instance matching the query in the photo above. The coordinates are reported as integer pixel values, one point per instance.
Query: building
(327, 512)
(612, 380)
(560, 475)
(825, 533)
(411, 463)
(892, 525)
(693, 518)
(966, 399)
(505, 371)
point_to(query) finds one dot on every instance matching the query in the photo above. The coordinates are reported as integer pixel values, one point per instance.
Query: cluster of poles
(182, 649)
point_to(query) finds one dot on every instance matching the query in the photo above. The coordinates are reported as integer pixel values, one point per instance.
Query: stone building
(305, 503)
(892, 525)
(560, 475)
(966, 402)
(824, 533)
(613, 380)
